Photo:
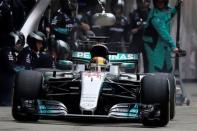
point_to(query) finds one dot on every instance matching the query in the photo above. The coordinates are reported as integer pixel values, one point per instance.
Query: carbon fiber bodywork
(119, 97)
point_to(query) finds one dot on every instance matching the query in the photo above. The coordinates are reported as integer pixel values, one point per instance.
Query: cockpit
(99, 54)
(99, 58)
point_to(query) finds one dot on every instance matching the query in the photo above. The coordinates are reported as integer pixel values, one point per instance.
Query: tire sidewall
(28, 85)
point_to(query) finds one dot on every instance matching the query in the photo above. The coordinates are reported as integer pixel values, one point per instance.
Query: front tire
(172, 83)
(155, 90)
(27, 87)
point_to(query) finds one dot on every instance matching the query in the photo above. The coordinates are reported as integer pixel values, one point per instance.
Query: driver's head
(99, 60)
(99, 54)
(99, 50)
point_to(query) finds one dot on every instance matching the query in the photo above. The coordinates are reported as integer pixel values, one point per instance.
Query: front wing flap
(55, 109)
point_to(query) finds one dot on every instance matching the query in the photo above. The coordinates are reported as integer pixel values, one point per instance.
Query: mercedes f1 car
(96, 88)
(98, 85)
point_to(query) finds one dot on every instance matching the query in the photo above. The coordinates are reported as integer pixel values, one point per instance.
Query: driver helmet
(99, 50)
(99, 54)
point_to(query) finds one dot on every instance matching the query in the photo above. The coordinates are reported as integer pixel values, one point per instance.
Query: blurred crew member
(83, 29)
(8, 66)
(28, 5)
(117, 32)
(159, 44)
(94, 7)
(137, 23)
(63, 22)
(60, 54)
(19, 10)
(6, 22)
(30, 55)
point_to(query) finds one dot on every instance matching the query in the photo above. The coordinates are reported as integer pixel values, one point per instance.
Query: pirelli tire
(155, 90)
(172, 83)
(28, 86)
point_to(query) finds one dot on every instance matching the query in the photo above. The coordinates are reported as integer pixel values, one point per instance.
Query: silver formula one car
(98, 88)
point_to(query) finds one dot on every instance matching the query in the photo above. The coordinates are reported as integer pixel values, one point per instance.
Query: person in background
(28, 5)
(137, 23)
(81, 29)
(6, 22)
(20, 11)
(83, 24)
(158, 43)
(8, 67)
(117, 32)
(29, 56)
(59, 52)
(63, 22)
(94, 7)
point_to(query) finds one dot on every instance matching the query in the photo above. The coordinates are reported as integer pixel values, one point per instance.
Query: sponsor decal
(118, 57)
(10, 56)
(93, 74)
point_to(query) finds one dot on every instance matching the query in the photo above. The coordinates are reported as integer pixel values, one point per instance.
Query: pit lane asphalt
(185, 120)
